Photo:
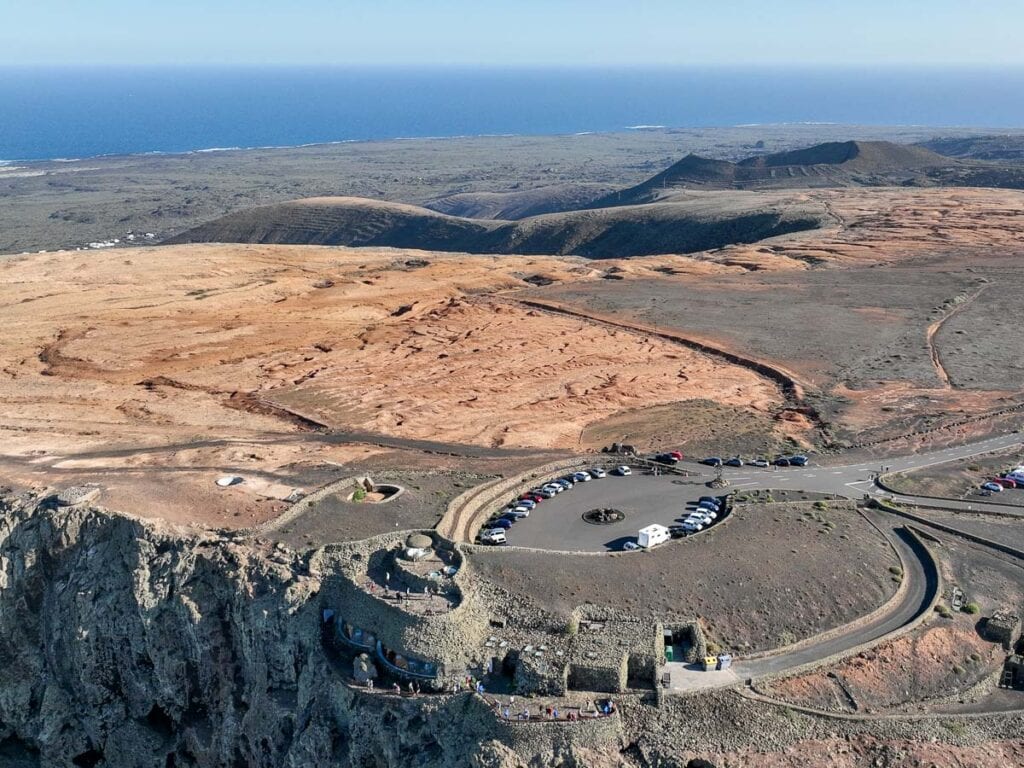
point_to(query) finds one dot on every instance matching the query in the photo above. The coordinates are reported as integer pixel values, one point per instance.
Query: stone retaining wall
(1005, 548)
(450, 638)
(467, 512)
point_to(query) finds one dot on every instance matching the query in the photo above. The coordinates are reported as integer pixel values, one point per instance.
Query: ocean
(76, 113)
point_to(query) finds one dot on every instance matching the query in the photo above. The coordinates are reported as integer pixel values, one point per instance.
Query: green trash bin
(668, 653)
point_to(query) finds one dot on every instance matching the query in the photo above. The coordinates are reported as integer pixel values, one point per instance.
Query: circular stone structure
(604, 516)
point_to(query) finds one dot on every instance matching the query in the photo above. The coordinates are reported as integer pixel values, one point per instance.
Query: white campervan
(653, 535)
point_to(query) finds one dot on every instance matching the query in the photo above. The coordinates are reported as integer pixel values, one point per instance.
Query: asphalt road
(557, 524)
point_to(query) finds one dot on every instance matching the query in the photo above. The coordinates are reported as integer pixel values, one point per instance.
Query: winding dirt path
(934, 328)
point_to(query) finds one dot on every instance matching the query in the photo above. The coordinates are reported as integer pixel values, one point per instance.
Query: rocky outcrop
(126, 644)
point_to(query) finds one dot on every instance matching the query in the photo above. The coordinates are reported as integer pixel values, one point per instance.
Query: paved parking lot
(558, 523)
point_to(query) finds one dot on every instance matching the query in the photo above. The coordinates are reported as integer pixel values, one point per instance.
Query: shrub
(972, 608)
(895, 570)
(943, 611)
(957, 669)
(359, 495)
(820, 505)
(975, 657)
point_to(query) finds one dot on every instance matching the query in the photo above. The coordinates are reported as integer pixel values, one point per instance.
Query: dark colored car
(782, 461)
(798, 461)
(736, 461)
(676, 531)
(712, 461)
(713, 499)
(666, 458)
(502, 522)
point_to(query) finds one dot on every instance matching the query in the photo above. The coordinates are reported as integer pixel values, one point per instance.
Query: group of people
(551, 712)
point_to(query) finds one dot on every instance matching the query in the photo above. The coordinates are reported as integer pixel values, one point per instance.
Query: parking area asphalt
(644, 499)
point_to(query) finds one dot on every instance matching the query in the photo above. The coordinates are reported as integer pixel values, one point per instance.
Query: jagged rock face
(127, 646)
(132, 647)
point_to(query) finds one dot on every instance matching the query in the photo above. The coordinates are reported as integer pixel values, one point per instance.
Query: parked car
(666, 458)
(495, 536)
(531, 496)
(714, 499)
(518, 512)
(676, 455)
(544, 493)
(798, 461)
(502, 522)
(528, 503)
(676, 531)
(708, 510)
(623, 471)
(759, 463)
(565, 482)
(555, 488)
(693, 526)
(629, 546)
(582, 477)
(704, 515)
(735, 461)
(994, 487)
(1004, 481)
(597, 473)
(782, 461)
(712, 461)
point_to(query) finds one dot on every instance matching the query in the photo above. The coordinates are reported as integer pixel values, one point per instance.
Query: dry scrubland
(767, 577)
(151, 369)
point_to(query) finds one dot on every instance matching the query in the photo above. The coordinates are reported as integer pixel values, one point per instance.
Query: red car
(1005, 482)
(532, 497)
(676, 455)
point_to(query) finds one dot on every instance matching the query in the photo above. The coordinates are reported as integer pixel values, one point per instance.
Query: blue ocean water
(55, 113)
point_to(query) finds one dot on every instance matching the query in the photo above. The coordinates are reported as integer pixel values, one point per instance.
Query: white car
(759, 463)
(700, 516)
(518, 512)
(629, 546)
(692, 525)
(554, 488)
(623, 471)
(494, 536)
(528, 503)
(581, 477)
(597, 473)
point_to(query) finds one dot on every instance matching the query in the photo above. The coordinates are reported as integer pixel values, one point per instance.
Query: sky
(859, 33)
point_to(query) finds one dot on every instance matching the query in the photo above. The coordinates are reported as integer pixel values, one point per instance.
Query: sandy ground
(120, 366)
(153, 371)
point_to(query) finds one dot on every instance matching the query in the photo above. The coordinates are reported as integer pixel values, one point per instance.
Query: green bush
(972, 608)
(820, 505)
(895, 570)
(359, 495)
(943, 611)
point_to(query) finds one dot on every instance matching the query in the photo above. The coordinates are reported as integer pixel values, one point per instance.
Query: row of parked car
(704, 514)
(521, 507)
(736, 461)
(1012, 479)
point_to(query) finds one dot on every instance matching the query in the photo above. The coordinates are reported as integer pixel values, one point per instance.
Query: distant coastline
(90, 113)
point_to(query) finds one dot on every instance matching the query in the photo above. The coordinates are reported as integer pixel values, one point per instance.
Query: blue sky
(865, 33)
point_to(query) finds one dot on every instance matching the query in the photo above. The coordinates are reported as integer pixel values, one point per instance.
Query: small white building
(653, 535)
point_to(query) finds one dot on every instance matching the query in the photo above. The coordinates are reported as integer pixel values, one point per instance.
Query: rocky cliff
(124, 644)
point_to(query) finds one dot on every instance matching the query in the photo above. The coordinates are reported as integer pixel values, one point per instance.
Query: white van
(653, 535)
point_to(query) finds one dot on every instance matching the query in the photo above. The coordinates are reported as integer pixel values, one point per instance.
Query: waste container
(668, 653)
